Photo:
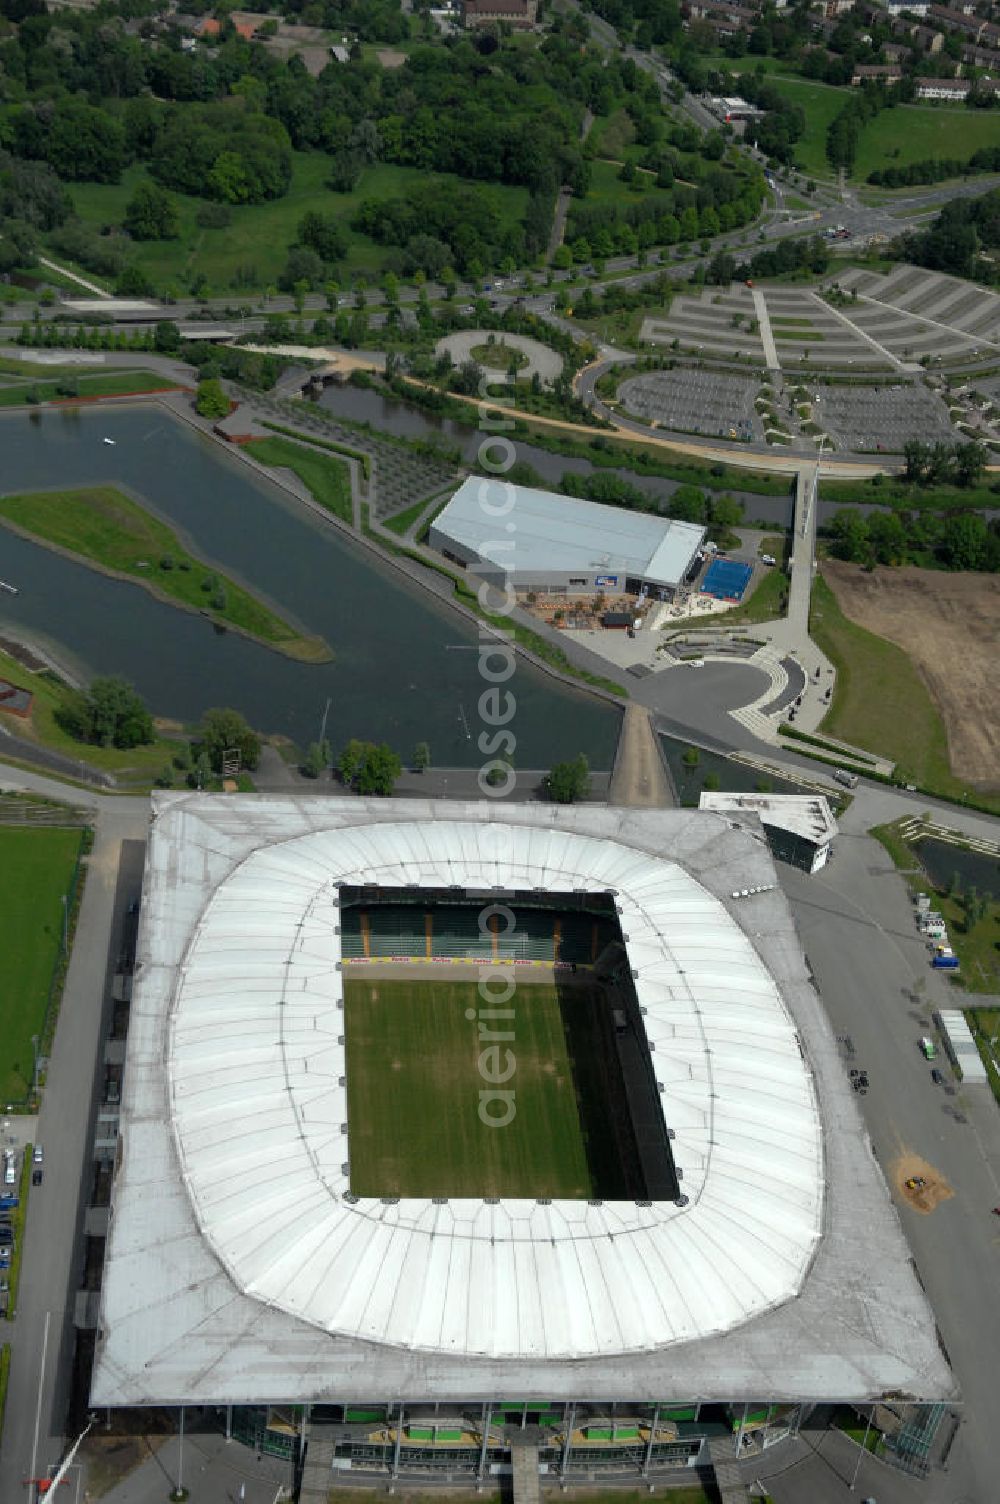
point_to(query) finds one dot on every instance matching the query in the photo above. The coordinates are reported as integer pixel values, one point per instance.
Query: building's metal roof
(520, 529)
(806, 815)
(962, 1045)
(235, 1269)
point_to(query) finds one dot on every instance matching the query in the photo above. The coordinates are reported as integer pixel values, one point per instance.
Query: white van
(849, 780)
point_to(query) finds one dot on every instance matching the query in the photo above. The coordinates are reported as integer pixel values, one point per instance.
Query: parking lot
(695, 401)
(923, 316)
(880, 418)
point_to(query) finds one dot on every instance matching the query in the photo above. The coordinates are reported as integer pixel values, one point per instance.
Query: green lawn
(880, 702)
(821, 103)
(914, 133)
(102, 526)
(606, 187)
(612, 135)
(36, 869)
(414, 1094)
(327, 478)
(906, 133)
(116, 384)
(138, 763)
(251, 251)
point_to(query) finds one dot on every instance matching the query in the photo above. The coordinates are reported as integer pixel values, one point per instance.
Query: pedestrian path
(766, 337)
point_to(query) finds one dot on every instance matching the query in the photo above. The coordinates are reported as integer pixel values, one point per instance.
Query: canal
(405, 667)
(363, 405)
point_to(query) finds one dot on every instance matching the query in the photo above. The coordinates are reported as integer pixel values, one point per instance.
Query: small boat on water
(111, 441)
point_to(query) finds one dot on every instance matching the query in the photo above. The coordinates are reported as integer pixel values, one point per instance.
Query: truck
(928, 1047)
(849, 780)
(945, 963)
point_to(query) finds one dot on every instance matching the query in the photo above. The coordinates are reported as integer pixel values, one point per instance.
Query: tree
(322, 234)
(210, 400)
(317, 759)
(151, 214)
(109, 714)
(350, 761)
(369, 769)
(421, 757)
(226, 730)
(569, 781)
(379, 770)
(167, 337)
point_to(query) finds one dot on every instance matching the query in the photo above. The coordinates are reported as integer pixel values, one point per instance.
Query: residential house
(520, 14)
(727, 19)
(956, 20)
(875, 73)
(943, 88)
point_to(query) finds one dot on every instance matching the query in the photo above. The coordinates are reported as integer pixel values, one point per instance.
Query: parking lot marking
(887, 354)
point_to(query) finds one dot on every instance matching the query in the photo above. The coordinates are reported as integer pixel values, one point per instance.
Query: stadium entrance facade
(582, 1443)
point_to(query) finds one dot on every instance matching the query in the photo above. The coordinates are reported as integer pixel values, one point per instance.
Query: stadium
(446, 1125)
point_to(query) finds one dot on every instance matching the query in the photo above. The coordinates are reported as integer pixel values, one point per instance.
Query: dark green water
(403, 670)
(975, 869)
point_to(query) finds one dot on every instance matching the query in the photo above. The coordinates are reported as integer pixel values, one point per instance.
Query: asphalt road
(856, 925)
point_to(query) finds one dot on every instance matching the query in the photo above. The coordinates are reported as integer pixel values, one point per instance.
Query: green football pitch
(414, 1084)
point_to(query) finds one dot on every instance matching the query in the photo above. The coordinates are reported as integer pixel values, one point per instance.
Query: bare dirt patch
(922, 1198)
(949, 626)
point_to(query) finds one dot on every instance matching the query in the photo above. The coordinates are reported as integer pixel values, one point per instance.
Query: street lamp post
(34, 1076)
(864, 1448)
(65, 923)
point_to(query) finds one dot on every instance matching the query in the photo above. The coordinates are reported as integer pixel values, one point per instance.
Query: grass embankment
(421, 1138)
(327, 480)
(403, 521)
(110, 531)
(36, 870)
(89, 388)
(985, 1026)
(139, 763)
(977, 944)
(612, 453)
(881, 703)
(886, 491)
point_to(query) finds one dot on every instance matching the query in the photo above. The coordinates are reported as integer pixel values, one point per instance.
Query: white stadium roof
(238, 1269)
(258, 1089)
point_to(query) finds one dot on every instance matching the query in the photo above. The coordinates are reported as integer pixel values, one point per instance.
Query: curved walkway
(544, 363)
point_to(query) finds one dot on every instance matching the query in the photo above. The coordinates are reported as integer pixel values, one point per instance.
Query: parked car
(37, 1154)
(36, 1177)
(937, 1077)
